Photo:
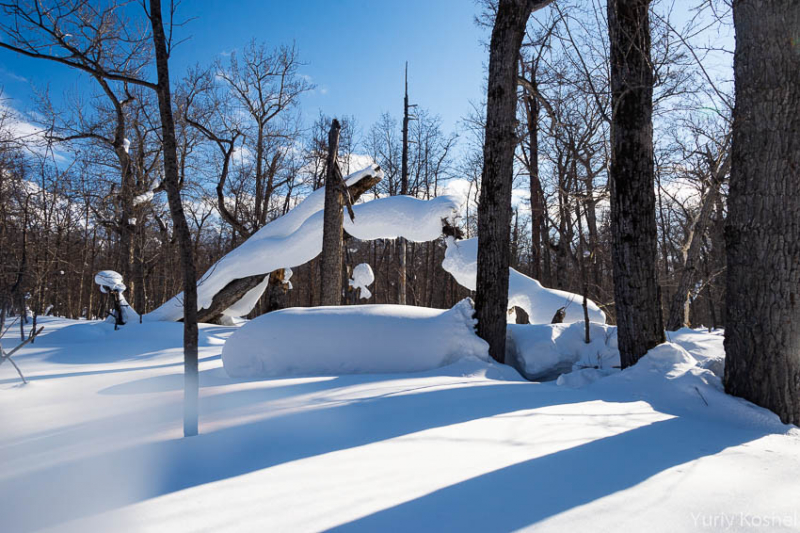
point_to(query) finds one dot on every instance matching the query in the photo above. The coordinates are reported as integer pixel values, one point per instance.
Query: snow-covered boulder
(541, 303)
(353, 340)
(544, 351)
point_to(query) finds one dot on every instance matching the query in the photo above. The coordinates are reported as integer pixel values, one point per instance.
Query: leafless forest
(84, 191)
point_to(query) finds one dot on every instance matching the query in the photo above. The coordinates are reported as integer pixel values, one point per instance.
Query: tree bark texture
(181, 227)
(494, 208)
(331, 282)
(762, 232)
(633, 215)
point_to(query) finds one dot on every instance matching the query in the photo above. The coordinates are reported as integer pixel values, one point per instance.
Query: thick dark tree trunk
(633, 214)
(494, 209)
(762, 233)
(181, 227)
(331, 282)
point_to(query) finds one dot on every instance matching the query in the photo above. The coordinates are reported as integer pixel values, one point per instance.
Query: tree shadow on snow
(523, 494)
(98, 483)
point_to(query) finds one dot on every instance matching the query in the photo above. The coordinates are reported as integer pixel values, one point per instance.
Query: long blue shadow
(100, 483)
(529, 492)
(106, 371)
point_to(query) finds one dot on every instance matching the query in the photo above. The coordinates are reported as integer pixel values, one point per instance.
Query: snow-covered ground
(93, 443)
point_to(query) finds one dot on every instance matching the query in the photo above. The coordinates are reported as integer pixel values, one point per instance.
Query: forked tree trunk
(679, 306)
(762, 233)
(181, 227)
(331, 266)
(494, 209)
(633, 214)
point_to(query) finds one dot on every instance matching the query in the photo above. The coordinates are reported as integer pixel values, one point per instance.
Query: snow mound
(667, 358)
(674, 381)
(353, 340)
(362, 278)
(541, 303)
(583, 377)
(707, 347)
(543, 351)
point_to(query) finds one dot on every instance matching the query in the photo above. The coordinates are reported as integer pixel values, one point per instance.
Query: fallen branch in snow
(7, 356)
(701, 396)
(296, 238)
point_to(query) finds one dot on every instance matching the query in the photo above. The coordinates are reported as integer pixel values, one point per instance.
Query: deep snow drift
(353, 340)
(93, 443)
(461, 261)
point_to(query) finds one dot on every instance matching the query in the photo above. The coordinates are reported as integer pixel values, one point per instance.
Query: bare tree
(99, 42)
(267, 85)
(637, 296)
(494, 210)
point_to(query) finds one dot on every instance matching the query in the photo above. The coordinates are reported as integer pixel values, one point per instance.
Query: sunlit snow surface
(93, 443)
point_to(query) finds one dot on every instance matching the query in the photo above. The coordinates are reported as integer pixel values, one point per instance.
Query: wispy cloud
(10, 75)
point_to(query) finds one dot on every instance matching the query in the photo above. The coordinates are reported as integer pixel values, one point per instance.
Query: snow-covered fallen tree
(541, 303)
(353, 340)
(296, 238)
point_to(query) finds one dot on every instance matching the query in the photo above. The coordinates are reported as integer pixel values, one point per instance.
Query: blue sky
(354, 49)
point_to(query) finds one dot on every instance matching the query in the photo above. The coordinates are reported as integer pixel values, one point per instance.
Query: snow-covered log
(539, 302)
(296, 238)
(233, 285)
(353, 340)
